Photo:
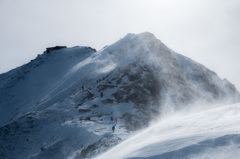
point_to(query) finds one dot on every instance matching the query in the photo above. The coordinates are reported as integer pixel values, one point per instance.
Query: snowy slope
(60, 104)
(211, 134)
(25, 88)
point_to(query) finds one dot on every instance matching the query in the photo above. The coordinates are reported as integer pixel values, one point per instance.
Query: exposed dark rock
(108, 101)
(48, 50)
(94, 106)
(90, 95)
(99, 147)
(84, 110)
(132, 122)
(102, 87)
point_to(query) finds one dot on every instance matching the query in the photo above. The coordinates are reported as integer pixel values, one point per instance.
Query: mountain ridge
(77, 90)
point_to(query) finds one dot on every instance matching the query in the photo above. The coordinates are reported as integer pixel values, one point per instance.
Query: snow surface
(26, 88)
(211, 134)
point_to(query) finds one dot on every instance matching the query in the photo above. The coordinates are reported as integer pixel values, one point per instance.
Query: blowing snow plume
(72, 95)
(209, 134)
(156, 78)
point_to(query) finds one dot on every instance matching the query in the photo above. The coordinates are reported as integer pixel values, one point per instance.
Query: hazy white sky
(208, 31)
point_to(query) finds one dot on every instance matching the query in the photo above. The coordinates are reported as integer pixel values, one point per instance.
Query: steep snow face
(24, 88)
(210, 134)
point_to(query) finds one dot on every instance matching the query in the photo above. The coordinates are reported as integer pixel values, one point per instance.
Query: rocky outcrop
(49, 49)
(99, 147)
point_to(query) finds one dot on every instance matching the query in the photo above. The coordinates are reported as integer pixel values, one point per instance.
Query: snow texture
(213, 133)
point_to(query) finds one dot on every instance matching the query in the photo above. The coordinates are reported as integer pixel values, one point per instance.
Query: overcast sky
(208, 31)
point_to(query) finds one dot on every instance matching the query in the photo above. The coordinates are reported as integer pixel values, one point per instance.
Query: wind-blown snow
(70, 94)
(209, 134)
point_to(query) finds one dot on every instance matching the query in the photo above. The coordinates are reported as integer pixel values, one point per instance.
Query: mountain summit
(62, 102)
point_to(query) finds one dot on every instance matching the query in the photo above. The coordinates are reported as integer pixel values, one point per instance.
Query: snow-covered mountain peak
(145, 36)
(142, 47)
(73, 94)
(149, 37)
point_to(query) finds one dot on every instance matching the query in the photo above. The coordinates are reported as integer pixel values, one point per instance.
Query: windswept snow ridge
(209, 134)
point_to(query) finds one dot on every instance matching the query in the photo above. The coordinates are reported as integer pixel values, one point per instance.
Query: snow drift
(214, 133)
